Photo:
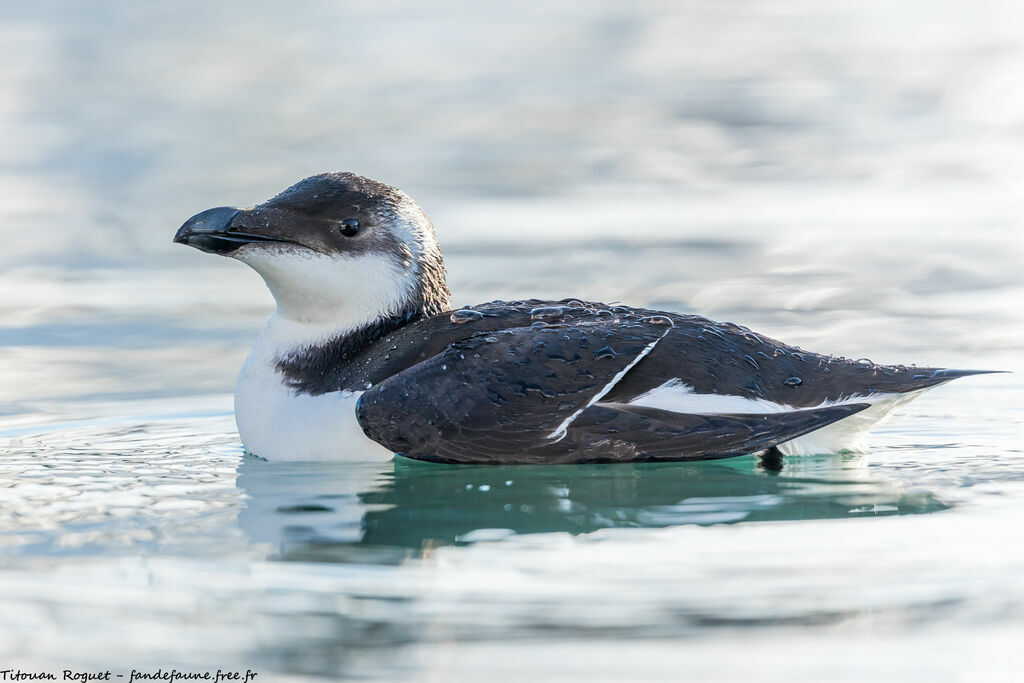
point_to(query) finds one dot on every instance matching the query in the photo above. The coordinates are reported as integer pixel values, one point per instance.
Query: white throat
(319, 298)
(342, 292)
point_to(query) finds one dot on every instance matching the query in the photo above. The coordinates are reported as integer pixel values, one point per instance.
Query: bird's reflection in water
(391, 511)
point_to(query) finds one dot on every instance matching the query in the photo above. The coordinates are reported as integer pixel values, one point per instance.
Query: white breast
(276, 423)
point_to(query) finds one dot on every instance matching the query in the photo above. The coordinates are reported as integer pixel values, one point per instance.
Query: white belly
(277, 424)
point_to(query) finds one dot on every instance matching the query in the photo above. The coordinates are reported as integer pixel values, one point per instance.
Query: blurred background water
(842, 176)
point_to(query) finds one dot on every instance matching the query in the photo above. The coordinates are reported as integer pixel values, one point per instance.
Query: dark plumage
(492, 388)
(503, 382)
(712, 357)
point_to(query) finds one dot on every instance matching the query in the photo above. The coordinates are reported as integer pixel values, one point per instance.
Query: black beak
(220, 231)
(210, 231)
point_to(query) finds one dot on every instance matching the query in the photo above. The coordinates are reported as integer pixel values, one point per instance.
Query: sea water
(819, 174)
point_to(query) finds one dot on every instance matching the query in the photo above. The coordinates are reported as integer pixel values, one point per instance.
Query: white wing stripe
(560, 432)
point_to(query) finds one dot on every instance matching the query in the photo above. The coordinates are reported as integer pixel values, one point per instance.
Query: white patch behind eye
(413, 228)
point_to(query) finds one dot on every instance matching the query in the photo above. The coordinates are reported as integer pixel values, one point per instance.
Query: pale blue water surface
(846, 178)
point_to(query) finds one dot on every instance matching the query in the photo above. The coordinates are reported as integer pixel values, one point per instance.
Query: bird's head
(333, 248)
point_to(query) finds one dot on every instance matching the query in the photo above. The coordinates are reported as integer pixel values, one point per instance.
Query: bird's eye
(349, 227)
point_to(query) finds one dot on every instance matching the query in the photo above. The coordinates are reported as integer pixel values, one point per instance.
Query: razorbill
(365, 358)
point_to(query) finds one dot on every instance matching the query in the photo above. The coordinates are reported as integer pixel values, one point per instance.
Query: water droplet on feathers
(465, 315)
(793, 382)
(547, 312)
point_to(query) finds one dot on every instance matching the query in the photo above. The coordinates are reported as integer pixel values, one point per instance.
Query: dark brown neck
(309, 369)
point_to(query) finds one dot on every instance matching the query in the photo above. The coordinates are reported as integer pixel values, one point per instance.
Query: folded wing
(530, 395)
